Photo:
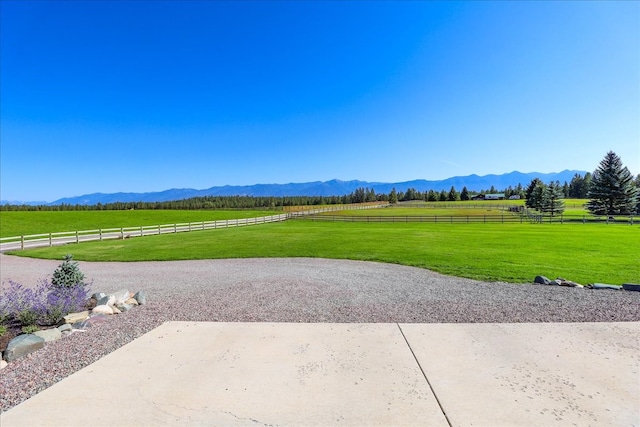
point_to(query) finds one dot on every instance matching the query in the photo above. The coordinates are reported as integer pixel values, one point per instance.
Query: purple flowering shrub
(20, 304)
(62, 301)
(46, 304)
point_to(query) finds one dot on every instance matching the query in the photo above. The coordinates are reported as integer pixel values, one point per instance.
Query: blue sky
(146, 96)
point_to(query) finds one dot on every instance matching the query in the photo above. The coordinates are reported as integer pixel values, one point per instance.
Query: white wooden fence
(61, 238)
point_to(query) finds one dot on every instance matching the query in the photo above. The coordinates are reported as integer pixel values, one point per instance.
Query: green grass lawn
(585, 253)
(36, 222)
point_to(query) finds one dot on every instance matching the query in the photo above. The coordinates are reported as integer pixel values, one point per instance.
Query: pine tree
(533, 194)
(613, 190)
(464, 194)
(393, 196)
(453, 195)
(552, 199)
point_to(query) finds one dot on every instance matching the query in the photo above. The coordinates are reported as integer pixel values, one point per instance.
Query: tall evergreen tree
(552, 199)
(393, 196)
(533, 194)
(464, 194)
(453, 195)
(578, 187)
(613, 190)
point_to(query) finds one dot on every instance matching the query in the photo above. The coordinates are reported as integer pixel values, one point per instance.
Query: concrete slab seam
(425, 376)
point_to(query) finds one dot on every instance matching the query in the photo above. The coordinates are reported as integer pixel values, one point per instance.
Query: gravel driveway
(289, 290)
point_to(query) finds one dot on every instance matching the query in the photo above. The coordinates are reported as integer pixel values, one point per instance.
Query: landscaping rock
(102, 309)
(541, 280)
(72, 318)
(3, 364)
(65, 328)
(131, 301)
(22, 345)
(109, 300)
(606, 286)
(124, 307)
(141, 297)
(116, 310)
(564, 282)
(121, 296)
(49, 335)
(91, 302)
(98, 295)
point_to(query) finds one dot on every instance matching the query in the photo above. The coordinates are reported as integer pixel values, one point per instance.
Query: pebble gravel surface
(288, 290)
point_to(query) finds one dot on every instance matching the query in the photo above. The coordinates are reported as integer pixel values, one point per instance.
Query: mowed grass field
(585, 253)
(37, 222)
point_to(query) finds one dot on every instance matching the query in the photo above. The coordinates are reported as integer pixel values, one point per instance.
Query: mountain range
(334, 187)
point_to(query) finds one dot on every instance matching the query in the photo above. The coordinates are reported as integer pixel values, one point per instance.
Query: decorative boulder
(121, 296)
(102, 309)
(22, 345)
(124, 307)
(72, 318)
(141, 297)
(104, 300)
(606, 286)
(65, 328)
(98, 295)
(49, 334)
(541, 280)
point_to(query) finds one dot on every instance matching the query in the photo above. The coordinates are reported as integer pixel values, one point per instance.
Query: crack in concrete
(425, 376)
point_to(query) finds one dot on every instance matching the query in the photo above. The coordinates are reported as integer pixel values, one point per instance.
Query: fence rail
(60, 238)
(65, 237)
(496, 218)
(432, 219)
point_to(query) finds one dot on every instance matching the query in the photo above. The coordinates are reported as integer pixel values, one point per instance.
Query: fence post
(175, 228)
(77, 238)
(159, 230)
(122, 233)
(50, 243)
(141, 231)
(22, 242)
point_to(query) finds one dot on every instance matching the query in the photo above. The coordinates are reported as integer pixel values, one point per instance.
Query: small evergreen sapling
(67, 275)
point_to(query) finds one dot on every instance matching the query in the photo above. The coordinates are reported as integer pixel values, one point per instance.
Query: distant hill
(334, 187)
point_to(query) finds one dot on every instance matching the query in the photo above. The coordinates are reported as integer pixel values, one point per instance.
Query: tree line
(611, 190)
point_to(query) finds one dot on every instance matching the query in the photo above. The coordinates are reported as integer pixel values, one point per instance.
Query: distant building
(496, 196)
(514, 197)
